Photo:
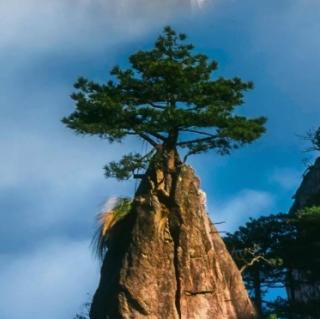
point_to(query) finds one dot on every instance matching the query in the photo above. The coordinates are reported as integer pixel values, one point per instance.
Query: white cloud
(287, 178)
(79, 25)
(50, 282)
(236, 210)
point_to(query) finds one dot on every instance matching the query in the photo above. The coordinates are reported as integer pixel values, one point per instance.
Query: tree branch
(187, 155)
(138, 176)
(148, 139)
(157, 106)
(253, 261)
(158, 135)
(198, 132)
(198, 140)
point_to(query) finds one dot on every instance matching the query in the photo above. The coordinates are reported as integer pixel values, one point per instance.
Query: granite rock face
(303, 290)
(166, 259)
(308, 193)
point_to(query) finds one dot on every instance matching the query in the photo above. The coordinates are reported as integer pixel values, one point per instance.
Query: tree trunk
(257, 292)
(166, 259)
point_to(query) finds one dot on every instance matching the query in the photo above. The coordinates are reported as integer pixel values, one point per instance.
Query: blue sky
(52, 183)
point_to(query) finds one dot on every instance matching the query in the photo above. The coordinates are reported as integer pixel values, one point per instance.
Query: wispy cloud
(236, 210)
(42, 26)
(287, 178)
(50, 282)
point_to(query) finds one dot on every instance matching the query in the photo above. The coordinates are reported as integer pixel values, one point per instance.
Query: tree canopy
(169, 98)
(256, 248)
(277, 251)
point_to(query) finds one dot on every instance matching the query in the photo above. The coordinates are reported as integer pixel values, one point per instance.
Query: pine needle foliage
(170, 97)
(107, 220)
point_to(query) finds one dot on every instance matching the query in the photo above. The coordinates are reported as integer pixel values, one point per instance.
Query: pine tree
(169, 98)
(258, 248)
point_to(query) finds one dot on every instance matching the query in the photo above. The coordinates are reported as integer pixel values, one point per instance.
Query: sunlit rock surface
(167, 260)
